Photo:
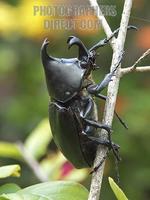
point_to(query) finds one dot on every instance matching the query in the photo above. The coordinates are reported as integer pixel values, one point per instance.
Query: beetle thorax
(64, 79)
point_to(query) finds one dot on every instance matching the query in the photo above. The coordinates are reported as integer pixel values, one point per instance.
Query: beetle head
(63, 76)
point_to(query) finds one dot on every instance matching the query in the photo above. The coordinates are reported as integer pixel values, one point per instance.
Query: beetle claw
(99, 165)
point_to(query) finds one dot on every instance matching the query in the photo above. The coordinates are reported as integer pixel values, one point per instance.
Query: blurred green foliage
(24, 98)
(45, 191)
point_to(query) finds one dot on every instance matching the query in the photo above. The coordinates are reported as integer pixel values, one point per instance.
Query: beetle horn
(83, 51)
(45, 57)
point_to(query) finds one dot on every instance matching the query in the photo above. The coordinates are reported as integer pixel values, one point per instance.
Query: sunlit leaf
(4, 198)
(22, 197)
(39, 139)
(9, 150)
(9, 188)
(59, 190)
(9, 170)
(117, 190)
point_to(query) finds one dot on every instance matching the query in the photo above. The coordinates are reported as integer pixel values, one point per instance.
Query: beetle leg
(100, 163)
(85, 116)
(101, 96)
(96, 88)
(105, 41)
(115, 150)
(111, 146)
(107, 128)
(88, 108)
(90, 122)
(97, 124)
(104, 142)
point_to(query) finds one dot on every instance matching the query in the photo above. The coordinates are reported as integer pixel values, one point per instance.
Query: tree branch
(32, 163)
(111, 100)
(142, 69)
(103, 21)
(137, 69)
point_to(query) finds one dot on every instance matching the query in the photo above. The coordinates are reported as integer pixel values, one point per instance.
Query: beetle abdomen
(66, 136)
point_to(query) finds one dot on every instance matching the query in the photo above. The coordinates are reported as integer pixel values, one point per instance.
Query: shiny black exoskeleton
(72, 110)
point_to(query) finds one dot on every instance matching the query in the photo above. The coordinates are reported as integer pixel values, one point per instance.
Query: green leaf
(9, 188)
(39, 139)
(9, 150)
(4, 198)
(117, 190)
(9, 170)
(22, 197)
(58, 190)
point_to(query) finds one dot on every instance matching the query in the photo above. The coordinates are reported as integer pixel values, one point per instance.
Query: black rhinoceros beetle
(72, 110)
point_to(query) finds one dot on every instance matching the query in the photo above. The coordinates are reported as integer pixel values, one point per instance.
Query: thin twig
(142, 69)
(32, 163)
(137, 69)
(111, 101)
(143, 56)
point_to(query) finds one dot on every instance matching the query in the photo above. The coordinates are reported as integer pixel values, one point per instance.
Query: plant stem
(111, 101)
(137, 69)
(32, 163)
